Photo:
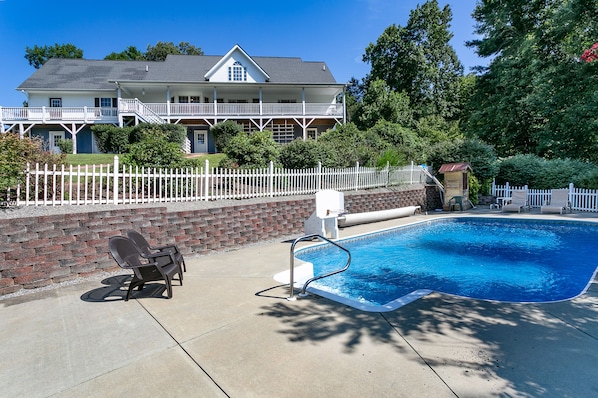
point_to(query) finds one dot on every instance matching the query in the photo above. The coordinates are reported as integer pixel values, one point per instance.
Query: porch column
(168, 100)
(215, 106)
(118, 101)
(261, 101)
(303, 99)
(344, 107)
(74, 137)
(304, 127)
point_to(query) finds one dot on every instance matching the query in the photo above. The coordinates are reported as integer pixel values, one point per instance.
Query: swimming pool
(482, 258)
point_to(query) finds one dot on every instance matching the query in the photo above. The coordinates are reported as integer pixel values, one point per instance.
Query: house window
(287, 101)
(312, 133)
(237, 73)
(105, 105)
(183, 99)
(55, 102)
(195, 99)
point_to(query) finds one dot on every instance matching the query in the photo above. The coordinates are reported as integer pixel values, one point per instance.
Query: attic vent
(324, 67)
(147, 68)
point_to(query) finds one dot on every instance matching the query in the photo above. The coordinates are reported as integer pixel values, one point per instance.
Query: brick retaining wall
(39, 251)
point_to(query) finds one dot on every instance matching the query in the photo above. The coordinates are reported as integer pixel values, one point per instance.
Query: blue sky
(334, 31)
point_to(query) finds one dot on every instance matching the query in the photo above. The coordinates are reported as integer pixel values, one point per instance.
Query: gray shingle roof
(82, 74)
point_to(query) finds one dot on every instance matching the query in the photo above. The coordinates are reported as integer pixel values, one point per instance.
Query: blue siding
(84, 141)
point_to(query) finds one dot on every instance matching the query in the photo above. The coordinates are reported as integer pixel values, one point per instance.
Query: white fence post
(319, 176)
(115, 181)
(356, 176)
(271, 179)
(206, 180)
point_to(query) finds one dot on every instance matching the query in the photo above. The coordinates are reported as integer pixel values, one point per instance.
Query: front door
(201, 141)
(55, 136)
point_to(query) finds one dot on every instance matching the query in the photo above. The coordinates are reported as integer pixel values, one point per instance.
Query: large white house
(288, 96)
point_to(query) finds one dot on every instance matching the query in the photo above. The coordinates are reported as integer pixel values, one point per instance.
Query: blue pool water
(482, 258)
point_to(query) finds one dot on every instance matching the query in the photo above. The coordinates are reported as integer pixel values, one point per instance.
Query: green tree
(131, 53)
(419, 60)
(162, 49)
(37, 56)
(404, 144)
(536, 91)
(381, 103)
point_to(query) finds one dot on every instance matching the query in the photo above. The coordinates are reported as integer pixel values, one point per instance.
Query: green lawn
(90, 158)
(102, 158)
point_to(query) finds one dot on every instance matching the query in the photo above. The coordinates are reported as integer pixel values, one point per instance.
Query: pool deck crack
(417, 353)
(178, 343)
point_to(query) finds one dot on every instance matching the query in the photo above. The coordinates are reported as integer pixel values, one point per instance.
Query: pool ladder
(310, 280)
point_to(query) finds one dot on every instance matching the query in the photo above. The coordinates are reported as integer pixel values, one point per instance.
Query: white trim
(229, 55)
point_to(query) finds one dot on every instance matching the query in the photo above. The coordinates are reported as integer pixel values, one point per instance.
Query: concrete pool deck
(229, 331)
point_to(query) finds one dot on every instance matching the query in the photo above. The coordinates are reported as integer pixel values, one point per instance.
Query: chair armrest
(159, 255)
(127, 262)
(175, 247)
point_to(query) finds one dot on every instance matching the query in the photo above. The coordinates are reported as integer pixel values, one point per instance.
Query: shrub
(171, 132)
(224, 132)
(391, 157)
(346, 144)
(405, 141)
(154, 151)
(479, 155)
(15, 153)
(300, 154)
(587, 179)
(474, 188)
(539, 173)
(66, 146)
(519, 169)
(111, 139)
(255, 150)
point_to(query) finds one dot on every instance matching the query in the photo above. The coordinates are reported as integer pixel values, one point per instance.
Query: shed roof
(451, 167)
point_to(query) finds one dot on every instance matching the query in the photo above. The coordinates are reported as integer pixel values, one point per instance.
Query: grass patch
(90, 158)
(103, 158)
(214, 159)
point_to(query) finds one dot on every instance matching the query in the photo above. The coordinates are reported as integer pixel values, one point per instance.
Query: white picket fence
(581, 199)
(119, 184)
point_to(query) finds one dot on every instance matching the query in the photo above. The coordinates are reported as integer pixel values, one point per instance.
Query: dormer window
(237, 73)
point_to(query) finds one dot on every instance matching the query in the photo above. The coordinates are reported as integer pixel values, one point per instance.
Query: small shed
(456, 185)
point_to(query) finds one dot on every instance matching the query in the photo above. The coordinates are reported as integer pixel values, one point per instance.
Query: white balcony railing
(127, 106)
(47, 114)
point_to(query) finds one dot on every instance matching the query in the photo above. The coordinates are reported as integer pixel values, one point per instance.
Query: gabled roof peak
(235, 49)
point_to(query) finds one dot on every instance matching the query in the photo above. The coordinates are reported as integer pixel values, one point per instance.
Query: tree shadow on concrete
(527, 350)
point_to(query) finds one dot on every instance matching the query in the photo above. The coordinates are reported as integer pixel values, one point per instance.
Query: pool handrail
(310, 280)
